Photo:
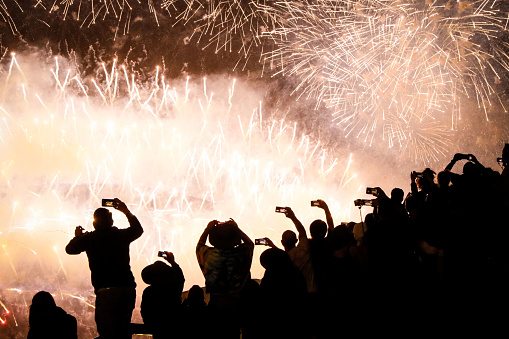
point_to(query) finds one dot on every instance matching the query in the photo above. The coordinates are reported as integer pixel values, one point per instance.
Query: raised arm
(457, 157)
(205, 234)
(170, 258)
(270, 243)
(135, 228)
(76, 245)
(245, 239)
(330, 223)
(298, 225)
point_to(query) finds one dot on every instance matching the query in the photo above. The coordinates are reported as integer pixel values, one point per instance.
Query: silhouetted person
(300, 253)
(107, 249)
(283, 292)
(320, 231)
(226, 268)
(195, 314)
(161, 304)
(47, 320)
(252, 305)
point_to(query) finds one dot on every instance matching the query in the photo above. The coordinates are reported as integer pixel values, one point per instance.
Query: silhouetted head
(42, 303)
(471, 169)
(426, 180)
(102, 218)
(158, 273)
(43, 299)
(341, 236)
(397, 195)
(225, 235)
(369, 220)
(318, 229)
(429, 174)
(274, 259)
(196, 296)
(288, 240)
(444, 179)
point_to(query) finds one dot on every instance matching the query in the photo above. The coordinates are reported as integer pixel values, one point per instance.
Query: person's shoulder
(303, 242)
(61, 313)
(203, 249)
(203, 246)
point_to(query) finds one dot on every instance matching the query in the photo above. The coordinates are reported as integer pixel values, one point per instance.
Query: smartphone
(280, 209)
(315, 203)
(108, 202)
(371, 190)
(162, 254)
(261, 241)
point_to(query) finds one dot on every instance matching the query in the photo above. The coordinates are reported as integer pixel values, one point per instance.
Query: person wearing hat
(107, 249)
(162, 299)
(226, 267)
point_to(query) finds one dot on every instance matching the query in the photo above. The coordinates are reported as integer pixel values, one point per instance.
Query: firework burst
(374, 62)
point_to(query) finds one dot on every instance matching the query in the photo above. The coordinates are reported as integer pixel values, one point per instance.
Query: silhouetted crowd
(433, 262)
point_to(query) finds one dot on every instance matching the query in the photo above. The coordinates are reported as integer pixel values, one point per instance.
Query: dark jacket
(108, 253)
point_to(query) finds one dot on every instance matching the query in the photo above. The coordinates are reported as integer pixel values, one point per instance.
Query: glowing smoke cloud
(397, 73)
(178, 156)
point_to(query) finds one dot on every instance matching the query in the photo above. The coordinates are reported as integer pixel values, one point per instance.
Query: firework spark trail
(5, 14)
(376, 61)
(369, 61)
(228, 26)
(88, 12)
(179, 156)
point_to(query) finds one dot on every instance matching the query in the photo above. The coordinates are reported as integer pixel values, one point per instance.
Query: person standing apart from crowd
(107, 249)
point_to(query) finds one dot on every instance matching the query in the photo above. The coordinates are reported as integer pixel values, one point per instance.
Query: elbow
(71, 251)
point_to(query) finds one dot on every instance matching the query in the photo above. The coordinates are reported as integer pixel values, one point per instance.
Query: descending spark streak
(370, 61)
(6, 16)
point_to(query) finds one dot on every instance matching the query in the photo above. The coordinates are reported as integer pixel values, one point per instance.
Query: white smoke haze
(179, 153)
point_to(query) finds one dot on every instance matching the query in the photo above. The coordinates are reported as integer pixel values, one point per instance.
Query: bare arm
(134, 224)
(455, 159)
(298, 225)
(270, 243)
(75, 246)
(205, 234)
(245, 238)
(330, 223)
(170, 258)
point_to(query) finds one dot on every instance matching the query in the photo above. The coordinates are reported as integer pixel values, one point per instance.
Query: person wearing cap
(107, 249)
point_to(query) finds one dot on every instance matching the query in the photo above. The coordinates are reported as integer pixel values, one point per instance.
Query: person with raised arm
(107, 249)
(299, 249)
(226, 267)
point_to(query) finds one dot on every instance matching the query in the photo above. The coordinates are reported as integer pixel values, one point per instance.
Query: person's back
(108, 257)
(107, 249)
(226, 267)
(47, 320)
